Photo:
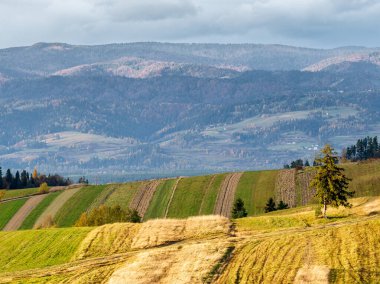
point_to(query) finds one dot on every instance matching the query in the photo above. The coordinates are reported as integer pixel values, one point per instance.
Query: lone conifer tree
(270, 206)
(239, 210)
(330, 182)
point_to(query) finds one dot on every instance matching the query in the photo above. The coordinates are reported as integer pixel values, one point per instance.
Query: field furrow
(54, 207)
(171, 197)
(143, 197)
(226, 195)
(286, 187)
(23, 212)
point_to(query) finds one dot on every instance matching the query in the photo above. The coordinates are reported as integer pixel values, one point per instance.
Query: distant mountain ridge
(186, 107)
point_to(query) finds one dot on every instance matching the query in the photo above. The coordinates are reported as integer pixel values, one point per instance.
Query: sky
(309, 23)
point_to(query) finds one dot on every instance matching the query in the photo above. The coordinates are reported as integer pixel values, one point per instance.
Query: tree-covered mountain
(180, 107)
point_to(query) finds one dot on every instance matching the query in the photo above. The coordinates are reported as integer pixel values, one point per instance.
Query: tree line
(24, 179)
(364, 149)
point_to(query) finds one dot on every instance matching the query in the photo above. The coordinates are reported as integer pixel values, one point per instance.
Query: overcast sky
(312, 23)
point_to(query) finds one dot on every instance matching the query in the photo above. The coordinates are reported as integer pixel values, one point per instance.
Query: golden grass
(351, 252)
(158, 232)
(107, 240)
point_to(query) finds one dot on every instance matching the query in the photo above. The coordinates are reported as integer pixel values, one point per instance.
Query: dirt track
(143, 197)
(55, 206)
(23, 212)
(226, 195)
(171, 197)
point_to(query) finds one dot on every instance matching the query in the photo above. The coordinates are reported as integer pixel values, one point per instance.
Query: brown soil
(226, 195)
(54, 207)
(143, 197)
(23, 212)
(303, 181)
(286, 187)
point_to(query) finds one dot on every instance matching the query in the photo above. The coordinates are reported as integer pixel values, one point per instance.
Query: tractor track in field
(143, 197)
(171, 197)
(226, 195)
(23, 212)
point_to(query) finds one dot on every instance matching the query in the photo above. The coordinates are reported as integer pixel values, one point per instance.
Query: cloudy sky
(313, 23)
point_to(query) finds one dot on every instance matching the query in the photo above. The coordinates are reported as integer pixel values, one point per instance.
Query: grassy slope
(123, 194)
(76, 205)
(255, 188)
(191, 191)
(8, 209)
(19, 192)
(365, 177)
(209, 198)
(160, 200)
(38, 248)
(40, 208)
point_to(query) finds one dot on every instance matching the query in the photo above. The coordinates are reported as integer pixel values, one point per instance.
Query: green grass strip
(255, 188)
(20, 250)
(70, 212)
(188, 197)
(31, 219)
(8, 209)
(209, 198)
(12, 193)
(160, 200)
(123, 194)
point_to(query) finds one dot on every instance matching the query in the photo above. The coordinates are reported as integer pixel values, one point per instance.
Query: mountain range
(174, 109)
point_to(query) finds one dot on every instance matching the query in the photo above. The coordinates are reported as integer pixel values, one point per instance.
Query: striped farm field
(255, 188)
(13, 193)
(20, 250)
(210, 195)
(123, 194)
(160, 200)
(8, 210)
(54, 207)
(189, 190)
(23, 212)
(79, 203)
(31, 219)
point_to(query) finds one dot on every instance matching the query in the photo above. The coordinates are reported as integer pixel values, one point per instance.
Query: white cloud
(296, 22)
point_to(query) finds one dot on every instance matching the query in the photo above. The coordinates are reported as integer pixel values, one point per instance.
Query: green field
(255, 188)
(123, 194)
(38, 248)
(70, 212)
(12, 193)
(365, 177)
(211, 193)
(31, 219)
(8, 209)
(189, 190)
(160, 200)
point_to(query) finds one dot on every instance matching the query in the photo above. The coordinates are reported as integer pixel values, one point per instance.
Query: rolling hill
(291, 246)
(181, 197)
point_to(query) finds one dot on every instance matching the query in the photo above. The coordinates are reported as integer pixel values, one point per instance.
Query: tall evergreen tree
(270, 206)
(239, 211)
(8, 178)
(1, 179)
(330, 182)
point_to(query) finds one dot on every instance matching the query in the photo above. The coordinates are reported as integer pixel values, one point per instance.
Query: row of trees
(27, 180)
(364, 149)
(299, 163)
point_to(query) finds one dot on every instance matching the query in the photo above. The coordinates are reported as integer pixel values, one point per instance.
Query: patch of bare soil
(23, 212)
(316, 274)
(286, 187)
(226, 195)
(143, 197)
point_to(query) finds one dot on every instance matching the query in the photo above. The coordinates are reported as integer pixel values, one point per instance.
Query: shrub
(107, 215)
(43, 188)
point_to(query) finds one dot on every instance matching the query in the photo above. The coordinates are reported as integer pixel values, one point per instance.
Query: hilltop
(180, 197)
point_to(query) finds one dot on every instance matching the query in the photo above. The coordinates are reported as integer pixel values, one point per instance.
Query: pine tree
(17, 181)
(24, 179)
(270, 206)
(282, 205)
(330, 182)
(307, 164)
(8, 178)
(1, 179)
(239, 211)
